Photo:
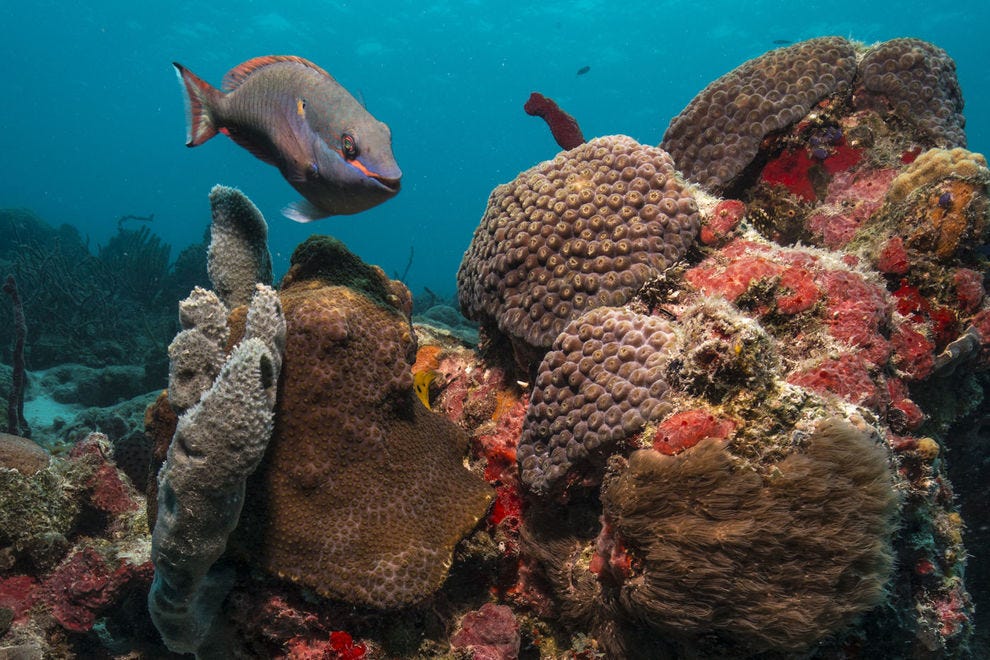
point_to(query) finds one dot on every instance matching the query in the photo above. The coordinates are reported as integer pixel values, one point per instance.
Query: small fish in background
(583, 70)
(292, 114)
(782, 42)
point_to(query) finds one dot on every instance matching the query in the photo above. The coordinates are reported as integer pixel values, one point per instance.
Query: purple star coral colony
(721, 388)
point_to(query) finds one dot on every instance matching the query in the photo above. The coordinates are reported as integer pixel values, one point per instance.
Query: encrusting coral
(366, 498)
(583, 230)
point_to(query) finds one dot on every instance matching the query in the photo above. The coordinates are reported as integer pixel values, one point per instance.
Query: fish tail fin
(200, 98)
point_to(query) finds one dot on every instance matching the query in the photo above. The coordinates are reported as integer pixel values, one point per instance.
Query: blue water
(92, 125)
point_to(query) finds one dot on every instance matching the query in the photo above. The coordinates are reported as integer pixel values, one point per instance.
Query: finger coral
(773, 563)
(719, 132)
(363, 493)
(583, 230)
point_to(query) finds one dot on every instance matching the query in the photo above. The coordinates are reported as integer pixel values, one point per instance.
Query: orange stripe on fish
(242, 71)
(361, 166)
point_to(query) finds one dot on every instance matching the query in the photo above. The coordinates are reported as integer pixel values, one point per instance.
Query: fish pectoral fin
(300, 172)
(304, 211)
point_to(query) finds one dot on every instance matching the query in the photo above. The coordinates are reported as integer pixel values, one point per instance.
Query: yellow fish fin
(421, 383)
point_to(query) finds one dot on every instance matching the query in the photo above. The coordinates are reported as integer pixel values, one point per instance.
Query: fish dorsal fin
(239, 73)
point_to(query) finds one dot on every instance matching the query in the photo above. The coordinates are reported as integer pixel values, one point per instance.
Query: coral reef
(720, 131)
(733, 125)
(601, 382)
(694, 426)
(74, 562)
(115, 307)
(583, 230)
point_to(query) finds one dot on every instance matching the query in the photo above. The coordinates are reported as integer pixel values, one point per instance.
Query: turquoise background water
(92, 125)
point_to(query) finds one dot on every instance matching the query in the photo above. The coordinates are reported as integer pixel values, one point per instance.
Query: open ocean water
(92, 123)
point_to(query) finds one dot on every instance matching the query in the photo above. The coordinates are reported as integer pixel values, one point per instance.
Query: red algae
(687, 428)
(488, 633)
(847, 376)
(969, 290)
(17, 594)
(718, 227)
(791, 170)
(893, 258)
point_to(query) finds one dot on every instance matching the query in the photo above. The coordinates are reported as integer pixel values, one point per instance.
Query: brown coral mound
(22, 454)
(583, 230)
(917, 82)
(719, 133)
(775, 564)
(603, 380)
(363, 493)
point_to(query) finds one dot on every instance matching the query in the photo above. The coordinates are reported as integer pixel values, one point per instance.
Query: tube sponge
(238, 256)
(772, 563)
(198, 352)
(218, 443)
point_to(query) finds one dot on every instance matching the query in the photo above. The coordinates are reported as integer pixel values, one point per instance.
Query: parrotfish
(292, 114)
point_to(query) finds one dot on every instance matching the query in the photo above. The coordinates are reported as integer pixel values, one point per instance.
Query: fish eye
(348, 145)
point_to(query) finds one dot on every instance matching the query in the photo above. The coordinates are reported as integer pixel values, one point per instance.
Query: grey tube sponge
(218, 443)
(238, 256)
(198, 352)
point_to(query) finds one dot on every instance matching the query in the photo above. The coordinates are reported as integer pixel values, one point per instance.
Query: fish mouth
(392, 185)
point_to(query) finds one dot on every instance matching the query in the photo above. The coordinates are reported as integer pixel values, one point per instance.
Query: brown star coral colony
(715, 390)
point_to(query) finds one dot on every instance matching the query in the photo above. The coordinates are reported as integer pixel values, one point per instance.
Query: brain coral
(363, 493)
(583, 230)
(770, 564)
(719, 132)
(603, 380)
(918, 82)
